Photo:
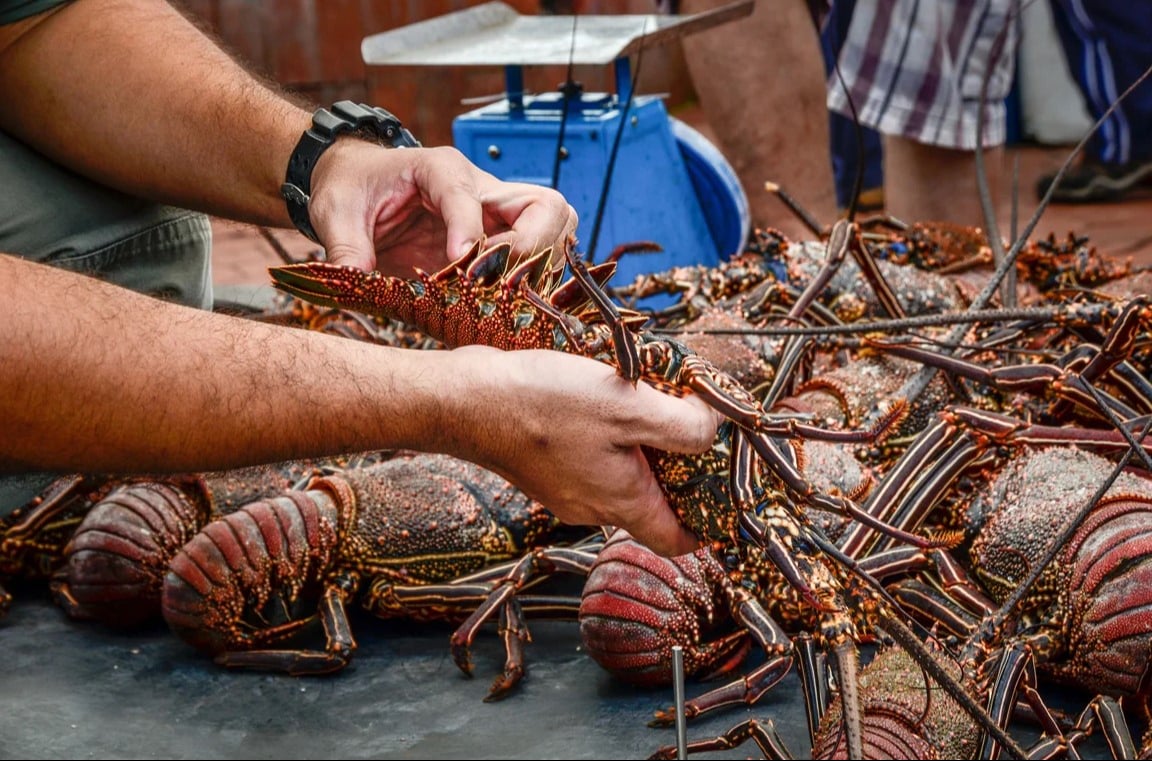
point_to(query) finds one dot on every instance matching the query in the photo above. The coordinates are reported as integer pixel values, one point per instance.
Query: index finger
(463, 216)
(687, 425)
(537, 217)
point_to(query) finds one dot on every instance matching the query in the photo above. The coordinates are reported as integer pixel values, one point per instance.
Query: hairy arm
(100, 379)
(132, 94)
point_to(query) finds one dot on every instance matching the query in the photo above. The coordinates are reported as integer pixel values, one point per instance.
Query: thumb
(345, 234)
(659, 529)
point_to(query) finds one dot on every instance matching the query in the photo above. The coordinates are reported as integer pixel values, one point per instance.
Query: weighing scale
(664, 181)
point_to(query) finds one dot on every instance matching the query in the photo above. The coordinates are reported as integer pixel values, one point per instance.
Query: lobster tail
(253, 577)
(116, 561)
(902, 715)
(636, 605)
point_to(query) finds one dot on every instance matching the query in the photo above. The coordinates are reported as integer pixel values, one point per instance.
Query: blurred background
(312, 47)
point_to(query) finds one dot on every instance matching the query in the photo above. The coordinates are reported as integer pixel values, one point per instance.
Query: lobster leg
(475, 598)
(763, 733)
(838, 244)
(844, 238)
(1015, 674)
(335, 656)
(1105, 712)
(1067, 379)
(548, 561)
(750, 687)
(957, 441)
(514, 634)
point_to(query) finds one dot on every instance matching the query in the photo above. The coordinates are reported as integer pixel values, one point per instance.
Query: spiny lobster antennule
(947, 539)
(320, 283)
(890, 419)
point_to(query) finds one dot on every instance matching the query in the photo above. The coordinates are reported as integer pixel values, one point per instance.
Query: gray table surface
(78, 690)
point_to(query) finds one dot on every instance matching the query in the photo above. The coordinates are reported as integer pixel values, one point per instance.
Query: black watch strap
(345, 117)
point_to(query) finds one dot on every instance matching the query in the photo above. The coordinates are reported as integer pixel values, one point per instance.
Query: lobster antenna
(567, 92)
(984, 192)
(1032, 314)
(603, 202)
(914, 387)
(1010, 259)
(1009, 296)
(796, 344)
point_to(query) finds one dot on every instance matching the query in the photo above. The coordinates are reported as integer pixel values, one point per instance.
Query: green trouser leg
(51, 215)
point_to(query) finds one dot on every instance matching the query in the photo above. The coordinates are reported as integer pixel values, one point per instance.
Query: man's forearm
(97, 378)
(130, 93)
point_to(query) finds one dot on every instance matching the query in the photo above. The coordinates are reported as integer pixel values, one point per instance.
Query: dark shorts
(50, 215)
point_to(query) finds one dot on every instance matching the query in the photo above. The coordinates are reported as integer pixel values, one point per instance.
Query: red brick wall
(312, 47)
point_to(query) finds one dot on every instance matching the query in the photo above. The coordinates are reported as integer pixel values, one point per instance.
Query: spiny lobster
(1083, 616)
(1082, 621)
(33, 537)
(112, 568)
(721, 495)
(249, 582)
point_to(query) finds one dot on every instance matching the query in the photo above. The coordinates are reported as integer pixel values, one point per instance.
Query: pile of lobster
(971, 500)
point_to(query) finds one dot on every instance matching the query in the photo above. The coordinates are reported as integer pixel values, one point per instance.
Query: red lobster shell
(636, 605)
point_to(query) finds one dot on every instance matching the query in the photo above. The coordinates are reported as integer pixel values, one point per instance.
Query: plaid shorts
(917, 69)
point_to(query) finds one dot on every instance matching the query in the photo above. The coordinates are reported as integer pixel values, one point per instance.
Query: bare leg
(761, 83)
(926, 183)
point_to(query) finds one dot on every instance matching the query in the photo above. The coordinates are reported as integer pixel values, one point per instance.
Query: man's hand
(393, 209)
(569, 431)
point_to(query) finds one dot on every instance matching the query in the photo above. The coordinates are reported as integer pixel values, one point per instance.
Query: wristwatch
(345, 118)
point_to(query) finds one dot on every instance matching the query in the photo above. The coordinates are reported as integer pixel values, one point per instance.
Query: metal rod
(678, 696)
